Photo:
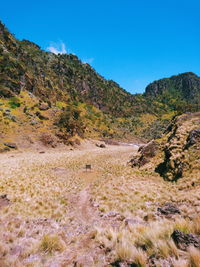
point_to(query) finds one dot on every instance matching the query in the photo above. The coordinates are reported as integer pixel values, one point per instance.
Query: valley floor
(55, 213)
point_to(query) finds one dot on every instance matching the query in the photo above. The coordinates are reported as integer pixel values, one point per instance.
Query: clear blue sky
(132, 42)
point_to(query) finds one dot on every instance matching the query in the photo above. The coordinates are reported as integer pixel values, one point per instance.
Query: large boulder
(181, 151)
(185, 240)
(145, 153)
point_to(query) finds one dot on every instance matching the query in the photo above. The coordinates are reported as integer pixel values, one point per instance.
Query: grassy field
(57, 214)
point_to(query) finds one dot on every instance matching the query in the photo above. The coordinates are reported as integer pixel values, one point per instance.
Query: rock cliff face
(178, 151)
(186, 84)
(181, 152)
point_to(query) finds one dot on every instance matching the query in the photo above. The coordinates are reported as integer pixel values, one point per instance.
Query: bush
(71, 120)
(14, 102)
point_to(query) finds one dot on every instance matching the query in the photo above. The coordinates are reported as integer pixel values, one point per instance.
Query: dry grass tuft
(52, 243)
(194, 257)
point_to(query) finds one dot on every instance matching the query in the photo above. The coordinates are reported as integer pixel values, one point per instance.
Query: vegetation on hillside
(63, 78)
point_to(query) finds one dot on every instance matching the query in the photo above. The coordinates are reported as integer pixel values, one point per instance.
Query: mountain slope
(63, 80)
(55, 77)
(178, 91)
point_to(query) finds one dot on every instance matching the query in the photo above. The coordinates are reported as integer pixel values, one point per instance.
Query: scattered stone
(5, 149)
(33, 122)
(168, 209)
(42, 152)
(101, 145)
(3, 196)
(11, 145)
(135, 221)
(40, 116)
(115, 215)
(43, 106)
(185, 240)
(193, 138)
(4, 201)
(10, 116)
(121, 263)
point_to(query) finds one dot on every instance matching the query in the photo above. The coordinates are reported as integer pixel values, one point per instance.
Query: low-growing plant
(51, 243)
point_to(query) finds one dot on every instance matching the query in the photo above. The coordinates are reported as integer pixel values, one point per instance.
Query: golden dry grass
(60, 214)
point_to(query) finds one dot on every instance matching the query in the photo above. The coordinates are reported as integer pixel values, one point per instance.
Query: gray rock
(34, 122)
(11, 145)
(185, 240)
(168, 209)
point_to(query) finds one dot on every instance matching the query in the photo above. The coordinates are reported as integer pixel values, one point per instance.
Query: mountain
(55, 77)
(81, 98)
(182, 89)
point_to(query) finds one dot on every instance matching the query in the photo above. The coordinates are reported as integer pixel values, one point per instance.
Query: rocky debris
(168, 209)
(11, 145)
(185, 240)
(9, 116)
(5, 149)
(101, 145)
(4, 201)
(34, 122)
(40, 116)
(43, 106)
(193, 138)
(145, 153)
(121, 263)
(115, 215)
(130, 222)
(48, 139)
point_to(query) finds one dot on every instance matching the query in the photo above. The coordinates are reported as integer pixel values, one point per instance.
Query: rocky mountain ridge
(62, 80)
(176, 155)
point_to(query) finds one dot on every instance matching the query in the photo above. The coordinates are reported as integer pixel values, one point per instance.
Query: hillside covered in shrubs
(70, 87)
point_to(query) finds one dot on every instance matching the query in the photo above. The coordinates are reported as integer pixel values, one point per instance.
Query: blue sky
(132, 42)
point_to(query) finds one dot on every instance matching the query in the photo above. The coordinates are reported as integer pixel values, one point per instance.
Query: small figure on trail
(88, 167)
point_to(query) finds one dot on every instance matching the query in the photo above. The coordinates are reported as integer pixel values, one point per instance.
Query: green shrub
(14, 102)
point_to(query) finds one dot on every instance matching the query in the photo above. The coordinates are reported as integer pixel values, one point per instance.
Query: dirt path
(53, 193)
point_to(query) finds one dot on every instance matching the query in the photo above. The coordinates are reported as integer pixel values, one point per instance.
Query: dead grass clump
(48, 139)
(196, 225)
(194, 257)
(51, 243)
(183, 225)
(127, 252)
(180, 263)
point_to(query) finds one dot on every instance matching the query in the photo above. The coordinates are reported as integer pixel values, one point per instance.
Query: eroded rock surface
(145, 153)
(185, 240)
(182, 148)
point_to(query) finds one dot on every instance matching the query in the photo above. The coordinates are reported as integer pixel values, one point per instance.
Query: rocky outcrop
(183, 241)
(145, 153)
(186, 85)
(168, 209)
(182, 144)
